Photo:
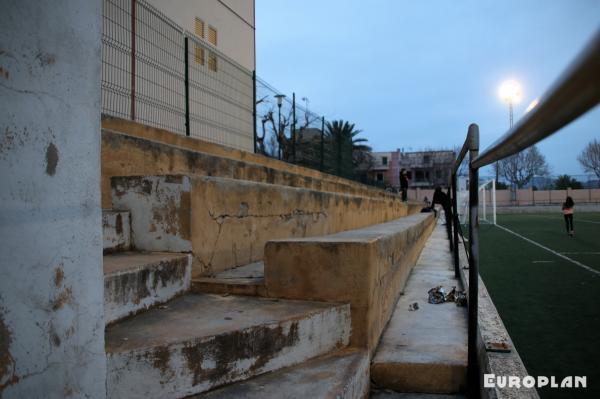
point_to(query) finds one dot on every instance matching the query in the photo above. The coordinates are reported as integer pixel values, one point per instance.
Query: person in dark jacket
(439, 197)
(404, 184)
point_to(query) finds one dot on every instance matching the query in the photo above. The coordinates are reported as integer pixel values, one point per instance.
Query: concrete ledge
(365, 267)
(341, 375)
(226, 222)
(125, 155)
(135, 281)
(200, 342)
(492, 329)
(116, 230)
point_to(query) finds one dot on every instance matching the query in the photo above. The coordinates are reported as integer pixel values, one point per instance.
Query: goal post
(487, 199)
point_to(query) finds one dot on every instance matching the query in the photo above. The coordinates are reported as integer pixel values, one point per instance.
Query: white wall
(51, 280)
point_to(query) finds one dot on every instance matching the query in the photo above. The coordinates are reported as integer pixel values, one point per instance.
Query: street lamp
(279, 98)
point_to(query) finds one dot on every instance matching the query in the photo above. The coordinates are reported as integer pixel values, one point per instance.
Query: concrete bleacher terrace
(226, 222)
(365, 267)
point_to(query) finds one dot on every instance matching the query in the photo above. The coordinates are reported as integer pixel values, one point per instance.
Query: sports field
(548, 298)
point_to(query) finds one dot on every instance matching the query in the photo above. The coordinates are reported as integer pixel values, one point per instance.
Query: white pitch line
(552, 251)
(580, 253)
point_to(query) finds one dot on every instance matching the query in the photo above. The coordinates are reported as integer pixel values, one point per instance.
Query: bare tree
(520, 168)
(590, 157)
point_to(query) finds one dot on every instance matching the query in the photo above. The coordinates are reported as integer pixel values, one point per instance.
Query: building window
(212, 61)
(426, 159)
(419, 175)
(199, 28)
(212, 36)
(198, 50)
(384, 160)
(438, 174)
(379, 176)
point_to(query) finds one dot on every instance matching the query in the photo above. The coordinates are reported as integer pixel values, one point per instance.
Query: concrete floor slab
(341, 375)
(135, 281)
(244, 280)
(199, 342)
(425, 350)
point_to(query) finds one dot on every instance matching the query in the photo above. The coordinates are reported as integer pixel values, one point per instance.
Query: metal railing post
(455, 227)
(133, 55)
(293, 128)
(186, 59)
(254, 110)
(473, 372)
(322, 143)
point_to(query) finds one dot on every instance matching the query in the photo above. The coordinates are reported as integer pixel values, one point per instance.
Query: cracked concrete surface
(229, 221)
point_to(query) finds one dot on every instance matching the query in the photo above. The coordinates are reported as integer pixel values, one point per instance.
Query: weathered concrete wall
(51, 297)
(365, 267)
(226, 222)
(146, 151)
(116, 230)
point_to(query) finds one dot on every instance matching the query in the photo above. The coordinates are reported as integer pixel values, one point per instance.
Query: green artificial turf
(550, 306)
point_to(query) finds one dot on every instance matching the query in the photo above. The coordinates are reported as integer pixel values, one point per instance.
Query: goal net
(487, 201)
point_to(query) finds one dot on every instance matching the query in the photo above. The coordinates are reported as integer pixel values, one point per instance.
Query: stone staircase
(164, 341)
(241, 285)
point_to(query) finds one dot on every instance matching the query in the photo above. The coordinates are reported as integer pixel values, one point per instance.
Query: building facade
(183, 66)
(426, 169)
(227, 25)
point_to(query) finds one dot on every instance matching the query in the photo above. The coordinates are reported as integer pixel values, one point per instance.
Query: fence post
(455, 227)
(322, 142)
(473, 373)
(294, 128)
(254, 108)
(133, 33)
(187, 85)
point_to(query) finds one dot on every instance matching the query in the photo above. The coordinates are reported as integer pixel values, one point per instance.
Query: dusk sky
(414, 74)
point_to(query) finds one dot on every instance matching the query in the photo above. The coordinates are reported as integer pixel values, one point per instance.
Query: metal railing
(572, 95)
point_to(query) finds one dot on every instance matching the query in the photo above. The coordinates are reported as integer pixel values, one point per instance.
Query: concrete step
(425, 350)
(243, 280)
(343, 374)
(138, 151)
(134, 281)
(226, 222)
(199, 342)
(365, 267)
(116, 230)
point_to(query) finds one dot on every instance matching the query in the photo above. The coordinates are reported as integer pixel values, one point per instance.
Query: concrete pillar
(51, 281)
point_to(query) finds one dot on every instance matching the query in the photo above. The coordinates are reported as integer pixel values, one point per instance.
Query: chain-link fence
(157, 73)
(289, 131)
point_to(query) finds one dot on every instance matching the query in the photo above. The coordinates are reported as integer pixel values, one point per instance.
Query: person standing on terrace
(404, 184)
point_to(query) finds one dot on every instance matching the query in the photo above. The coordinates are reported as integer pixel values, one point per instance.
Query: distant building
(426, 169)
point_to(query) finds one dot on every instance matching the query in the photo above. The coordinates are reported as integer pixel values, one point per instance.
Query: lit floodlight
(510, 91)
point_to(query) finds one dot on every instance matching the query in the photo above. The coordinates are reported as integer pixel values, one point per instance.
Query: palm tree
(344, 149)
